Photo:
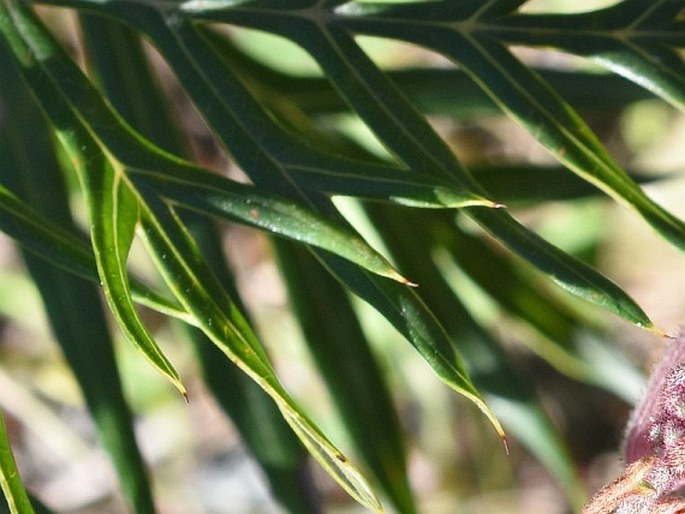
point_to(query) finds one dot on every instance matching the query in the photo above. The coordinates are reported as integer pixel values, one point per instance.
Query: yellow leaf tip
(184, 393)
(500, 432)
(402, 279)
(505, 442)
(409, 283)
(658, 331)
(485, 409)
(486, 202)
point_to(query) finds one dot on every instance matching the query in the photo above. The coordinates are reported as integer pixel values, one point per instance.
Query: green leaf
(569, 273)
(112, 208)
(117, 62)
(112, 203)
(389, 114)
(634, 40)
(507, 390)
(72, 304)
(510, 84)
(261, 424)
(113, 222)
(519, 293)
(113, 211)
(11, 483)
(133, 155)
(44, 237)
(411, 317)
(262, 428)
(527, 184)
(182, 266)
(349, 368)
(275, 128)
(537, 107)
(282, 157)
(425, 87)
(471, 33)
(399, 305)
(210, 84)
(118, 58)
(522, 95)
(64, 249)
(211, 194)
(390, 185)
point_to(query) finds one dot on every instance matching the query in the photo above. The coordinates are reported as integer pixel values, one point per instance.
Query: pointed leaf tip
(176, 381)
(505, 442)
(659, 332)
(409, 283)
(398, 277)
(485, 409)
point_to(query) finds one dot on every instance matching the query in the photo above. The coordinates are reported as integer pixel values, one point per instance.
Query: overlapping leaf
(468, 34)
(72, 304)
(116, 56)
(464, 33)
(66, 250)
(507, 391)
(634, 40)
(183, 267)
(295, 176)
(114, 209)
(350, 369)
(266, 154)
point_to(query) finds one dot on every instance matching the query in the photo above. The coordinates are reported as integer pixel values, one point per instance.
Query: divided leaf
(130, 184)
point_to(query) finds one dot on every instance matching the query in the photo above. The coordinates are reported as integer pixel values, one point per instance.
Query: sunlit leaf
(11, 483)
(118, 58)
(72, 304)
(278, 129)
(214, 195)
(181, 264)
(203, 78)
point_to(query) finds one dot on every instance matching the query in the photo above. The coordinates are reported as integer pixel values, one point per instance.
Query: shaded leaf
(422, 146)
(73, 305)
(506, 389)
(64, 249)
(261, 425)
(112, 209)
(350, 370)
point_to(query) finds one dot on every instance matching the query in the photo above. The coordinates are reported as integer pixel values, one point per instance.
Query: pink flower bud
(659, 419)
(654, 446)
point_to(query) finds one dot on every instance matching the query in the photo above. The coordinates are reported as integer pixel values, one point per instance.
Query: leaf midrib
(528, 25)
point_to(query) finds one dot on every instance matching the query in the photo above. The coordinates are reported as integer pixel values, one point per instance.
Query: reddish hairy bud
(654, 446)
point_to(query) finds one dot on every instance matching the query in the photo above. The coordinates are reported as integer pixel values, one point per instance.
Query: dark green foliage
(110, 127)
